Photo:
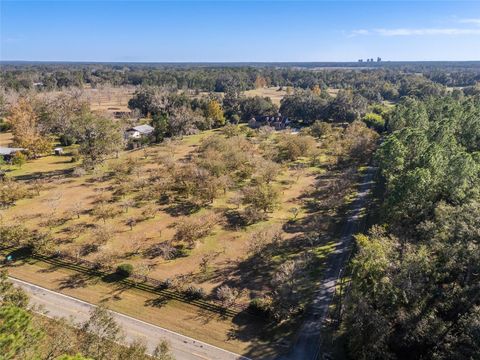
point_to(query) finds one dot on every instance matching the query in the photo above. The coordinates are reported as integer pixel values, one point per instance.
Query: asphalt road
(308, 342)
(182, 347)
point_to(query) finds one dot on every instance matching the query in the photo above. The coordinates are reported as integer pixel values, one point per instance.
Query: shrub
(374, 121)
(5, 126)
(191, 229)
(88, 248)
(195, 292)
(66, 140)
(149, 212)
(124, 270)
(19, 159)
(102, 234)
(11, 191)
(235, 119)
(227, 295)
(320, 128)
(79, 171)
(75, 156)
(14, 235)
(291, 147)
(231, 130)
(259, 306)
(261, 197)
(166, 284)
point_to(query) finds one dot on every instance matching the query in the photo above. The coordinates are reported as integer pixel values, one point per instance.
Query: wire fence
(141, 282)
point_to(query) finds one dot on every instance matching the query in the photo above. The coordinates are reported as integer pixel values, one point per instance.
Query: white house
(138, 132)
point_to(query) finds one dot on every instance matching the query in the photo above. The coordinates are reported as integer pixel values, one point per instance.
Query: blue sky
(197, 31)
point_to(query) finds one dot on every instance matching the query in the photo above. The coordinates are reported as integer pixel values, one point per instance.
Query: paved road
(308, 343)
(182, 347)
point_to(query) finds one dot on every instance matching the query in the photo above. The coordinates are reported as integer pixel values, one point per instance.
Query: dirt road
(308, 343)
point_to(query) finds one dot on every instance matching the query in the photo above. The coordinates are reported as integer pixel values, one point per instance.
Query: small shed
(59, 151)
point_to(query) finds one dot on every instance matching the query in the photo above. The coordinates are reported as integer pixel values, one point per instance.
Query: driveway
(308, 342)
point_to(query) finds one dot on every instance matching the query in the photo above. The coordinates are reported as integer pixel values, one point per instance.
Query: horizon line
(233, 62)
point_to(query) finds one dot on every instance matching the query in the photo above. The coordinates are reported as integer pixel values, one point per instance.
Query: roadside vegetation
(27, 334)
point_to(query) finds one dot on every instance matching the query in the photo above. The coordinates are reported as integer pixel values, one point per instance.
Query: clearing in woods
(115, 99)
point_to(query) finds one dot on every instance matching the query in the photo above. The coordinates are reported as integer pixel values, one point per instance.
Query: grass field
(240, 334)
(274, 93)
(115, 99)
(226, 247)
(109, 99)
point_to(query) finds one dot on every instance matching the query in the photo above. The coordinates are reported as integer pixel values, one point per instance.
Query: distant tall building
(360, 60)
(379, 59)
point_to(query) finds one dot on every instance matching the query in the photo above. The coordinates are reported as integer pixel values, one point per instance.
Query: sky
(238, 31)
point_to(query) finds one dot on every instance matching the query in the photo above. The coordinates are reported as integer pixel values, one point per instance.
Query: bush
(19, 159)
(320, 129)
(195, 293)
(66, 140)
(231, 130)
(235, 119)
(259, 306)
(79, 171)
(227, 295)
(291, 147)
(191, 229)
(88, 248)
(5, 126)
(124, 270)
(75, 156)
(166, 284)
(374, 121)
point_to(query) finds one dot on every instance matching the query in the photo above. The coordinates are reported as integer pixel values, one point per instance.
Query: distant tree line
(377, 83)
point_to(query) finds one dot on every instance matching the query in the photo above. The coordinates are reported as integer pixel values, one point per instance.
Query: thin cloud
(470, 21)
(416, 32)
(359, 32)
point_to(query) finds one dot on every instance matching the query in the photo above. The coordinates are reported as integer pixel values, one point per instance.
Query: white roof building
(137, 132)
(7, 151)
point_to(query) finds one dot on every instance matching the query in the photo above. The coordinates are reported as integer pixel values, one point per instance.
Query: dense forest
(377, 81)
(415, 279)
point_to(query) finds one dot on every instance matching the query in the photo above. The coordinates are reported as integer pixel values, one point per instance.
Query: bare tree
(227, 295)
(131, 222)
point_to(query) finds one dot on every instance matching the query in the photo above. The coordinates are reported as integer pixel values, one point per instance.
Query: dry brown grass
(273, 93)
(6, 139)
(173, 315)
(109, 99)
(226, 246)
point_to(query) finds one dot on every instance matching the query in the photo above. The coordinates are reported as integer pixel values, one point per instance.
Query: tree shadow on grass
(182, 208)
(267, 338)
(45, 174)
(205, 316)
(75, 281)
(234, 220)
(20, 254)
(158, 302)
